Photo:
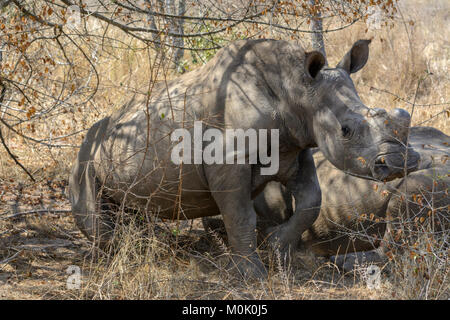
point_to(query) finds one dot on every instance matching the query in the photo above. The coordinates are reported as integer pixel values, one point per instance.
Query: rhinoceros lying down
(354, 211)
(127, 159)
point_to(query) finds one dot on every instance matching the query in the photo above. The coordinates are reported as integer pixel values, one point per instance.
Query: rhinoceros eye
(346, 131)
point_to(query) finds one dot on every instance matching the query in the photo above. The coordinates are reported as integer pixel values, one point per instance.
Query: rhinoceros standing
(354, 211)
(126, 159)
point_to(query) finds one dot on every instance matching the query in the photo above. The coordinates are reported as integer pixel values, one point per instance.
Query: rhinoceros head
(357, 139)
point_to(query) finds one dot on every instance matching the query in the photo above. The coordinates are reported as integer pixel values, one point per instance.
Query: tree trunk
(151, 19)
(179, 42)
(317, 28)
(176, 26)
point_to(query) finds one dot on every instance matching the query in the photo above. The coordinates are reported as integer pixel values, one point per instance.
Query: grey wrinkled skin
(260, 84)
(338, 232)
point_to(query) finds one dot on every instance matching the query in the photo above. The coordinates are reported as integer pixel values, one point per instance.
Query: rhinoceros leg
(231, 188)
(304, 186)
(83, 189)
(348, 262)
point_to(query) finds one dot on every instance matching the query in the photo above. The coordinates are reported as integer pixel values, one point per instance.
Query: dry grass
(149, 263)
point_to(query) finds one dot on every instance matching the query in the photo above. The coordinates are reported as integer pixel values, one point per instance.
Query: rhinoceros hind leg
(87, 205)
(93, 215)
(351, 261)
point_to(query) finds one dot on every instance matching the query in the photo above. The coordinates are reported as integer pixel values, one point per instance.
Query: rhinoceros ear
(314, 61)
(356, 58)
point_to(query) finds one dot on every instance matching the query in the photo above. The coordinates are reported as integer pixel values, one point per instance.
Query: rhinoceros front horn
(402, 121)
(401, 116)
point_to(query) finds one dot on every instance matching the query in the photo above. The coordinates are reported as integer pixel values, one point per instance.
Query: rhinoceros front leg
(231, 187)
(304, 186)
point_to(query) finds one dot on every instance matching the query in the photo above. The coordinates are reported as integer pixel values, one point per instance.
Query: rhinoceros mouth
(392, 165)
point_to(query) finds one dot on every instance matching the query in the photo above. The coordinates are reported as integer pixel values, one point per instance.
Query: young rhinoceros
(353, 217)
(249, 85)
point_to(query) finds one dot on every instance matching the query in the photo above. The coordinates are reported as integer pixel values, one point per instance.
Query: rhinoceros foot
(285, 242)
(249, 268)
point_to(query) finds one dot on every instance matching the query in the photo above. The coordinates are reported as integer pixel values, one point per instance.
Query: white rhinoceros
(126, 160)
